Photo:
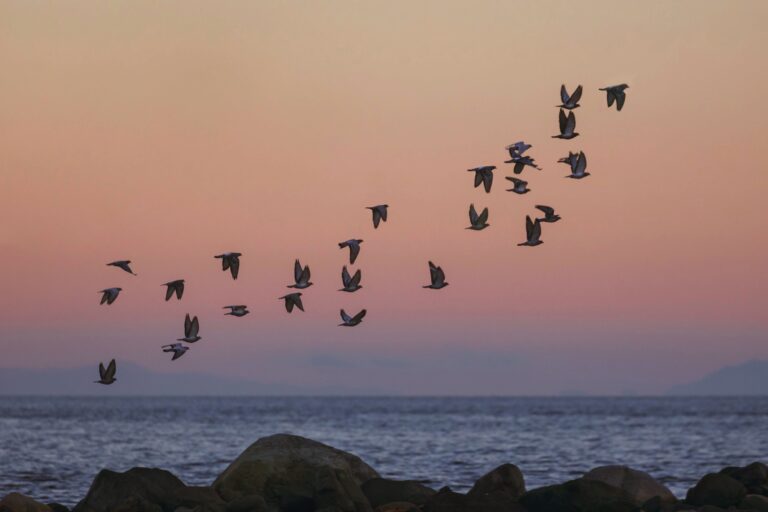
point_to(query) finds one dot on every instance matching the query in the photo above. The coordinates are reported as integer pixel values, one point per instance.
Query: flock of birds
(351, 282)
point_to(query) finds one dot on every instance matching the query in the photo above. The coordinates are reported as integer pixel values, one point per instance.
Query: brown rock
(380, 491)
(754, 502)
(506, 479)
(136, 490)
(398, 506)
(640, 486)
(716, 489)
(16, 502)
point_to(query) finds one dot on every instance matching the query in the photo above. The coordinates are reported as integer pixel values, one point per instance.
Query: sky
(166, 133)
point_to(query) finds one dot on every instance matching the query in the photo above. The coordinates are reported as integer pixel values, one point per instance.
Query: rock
(506, 479)
(398, 506)
(580, 495)
(136, 490)
(297, 474)
(753, 476)
(58, 507)
(251, 503)
(754, 502)
(195, 497)
(445, 500)
(16, 502)
(380, 491)
(640, 486)
(716, 489)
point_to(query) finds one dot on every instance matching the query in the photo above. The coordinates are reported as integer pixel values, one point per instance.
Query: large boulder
(716, 489)
(16, 502)
(506, 479)
(293, 473)
(640, 486)
(753, 476)
(445, 500)
(381, 491)
(754, 502)
(136, 490)
(580, 495)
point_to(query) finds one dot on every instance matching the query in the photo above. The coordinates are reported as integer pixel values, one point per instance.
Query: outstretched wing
(354, 250)
(356, 278)
(297, 271)
(487, 180)
(536, 230)
(359, 316)
(111, 370)
(345, 278)
(345, 317)
(620, 97)
(576, 96)
(483, 218)
(528, 228)
(305, 274)
(104, 297)
(179, 290)
(194, 327)
(563, 94)
(168, 292)
(234, 267)
(102, 371)
(570, 125)
(376, 217)
(478, 178)
(383, 213)
(563, 121)
(548, 210)
(187, 326)
(111, 296)
(610, 97)
(581, 163)
(472, 214)
(297, 300)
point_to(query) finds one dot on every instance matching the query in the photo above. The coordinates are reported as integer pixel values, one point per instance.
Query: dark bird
(237, 310)
(532, 232)
(520, 163)
(109, 295)
(572, 101)
(291, 300)
(177, 348)
(437, 277)
(521, 186)
(191, 330)
(107, 375)
(123, 264)
(567, 126)
(579, 167)
(354, 249)
(517, 149)
(615, 93)
(351, 283)
(478, 222)
(176, 287)
(351, 321)
(300, 276)
(230, 261)
(549, 214)
(483, 175)
(379, 214)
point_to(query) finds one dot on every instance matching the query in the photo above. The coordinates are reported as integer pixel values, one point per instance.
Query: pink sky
(167, 133)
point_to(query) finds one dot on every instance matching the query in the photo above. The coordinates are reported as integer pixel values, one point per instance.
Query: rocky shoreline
(286, 473)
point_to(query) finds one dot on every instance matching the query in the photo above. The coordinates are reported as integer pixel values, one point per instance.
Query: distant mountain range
(749, 378)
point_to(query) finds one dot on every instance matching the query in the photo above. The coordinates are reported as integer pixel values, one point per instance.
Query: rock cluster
(285, 473)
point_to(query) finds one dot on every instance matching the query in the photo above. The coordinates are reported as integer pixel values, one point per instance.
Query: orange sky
(169, 132)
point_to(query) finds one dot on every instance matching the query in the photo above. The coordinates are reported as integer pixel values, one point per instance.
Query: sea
(51, 448)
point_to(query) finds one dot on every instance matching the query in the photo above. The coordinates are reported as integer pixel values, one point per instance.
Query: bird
(177, 348)
(578, 167)
(354, 249)
(191, 330)
(351, 321)
(230, 261)
(549, 213)
(379, 214)
(176, 287)
(109, 295)
(437, 277)
(521, 186)
(569, 160)
(532, 232)
(477, 222)
(567, 126)
(107, 375)
(301, 276)
(572, 101)
(238, 310)
(616, 93)
(517, 149)
(351, 283)
(123, 264)
(291, 300)
(520, 163)
(483, 175)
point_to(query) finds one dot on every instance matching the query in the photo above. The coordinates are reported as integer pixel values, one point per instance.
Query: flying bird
(616, 93)
(301, 276)
(549, 213)
(517, 149)
(572, 101)
(351, 321)
(437, 277)
(354, 249)
(107, 375)
(109, 295)
(191, 330)
(238, 310)
(521, 186)
(520, 163)
(291, 300)
(478, 222)
(177, 348)
(567, 126)
(569, 160)
(176, 287)
(579, 167)
(379, 214)
(484, 176)
(351, 283)
(230, 261)
(123, 264)
(532, 232)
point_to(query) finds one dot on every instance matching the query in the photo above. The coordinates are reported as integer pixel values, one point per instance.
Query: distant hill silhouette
(749, 378)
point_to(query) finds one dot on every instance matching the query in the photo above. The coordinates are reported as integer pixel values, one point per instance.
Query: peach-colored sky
(168, 132)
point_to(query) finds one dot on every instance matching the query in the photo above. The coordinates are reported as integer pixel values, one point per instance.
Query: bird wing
(610, 97)
(234, 267)
(194, 328)
(104, 297)
(356, 278)
(354, 250)
(620, 97)
(168, 291)
(111, 370)
(345, 317)
(478, 178)
(359, 316)
(224, 262)
(288, 303)
(439, 276)
(305, 274)
(297, 300)
(177, 354)
(581, 163)
(487, 180)
(376, 217)
(297, 271)
(187, 326)
(483, 218)
(345, 278)
(563, 94)
(472, 214)
(528, 228)
(548, 210)
(576, 96)
(102, 371)
(383, 213)
(563, 120)
(536, 230)
(179, 290)
(111, 296)
(570, 126)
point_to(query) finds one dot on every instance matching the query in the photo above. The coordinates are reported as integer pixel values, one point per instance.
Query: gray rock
(252, 503)
(506, 479)
(398, 506)
(580, 495)
(716, 489)
(640, 486)
(381, 491)
(753, 476)
(16, 502)
(136, 490)
(445, 500)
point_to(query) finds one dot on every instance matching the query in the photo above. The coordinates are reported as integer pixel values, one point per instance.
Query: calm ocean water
(51, 448)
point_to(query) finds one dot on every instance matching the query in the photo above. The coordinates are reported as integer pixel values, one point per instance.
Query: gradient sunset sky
(167, 132)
